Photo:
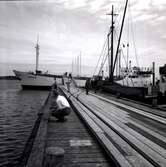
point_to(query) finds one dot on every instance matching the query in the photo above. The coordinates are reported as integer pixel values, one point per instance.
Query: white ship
(35, 80)
(135, 76)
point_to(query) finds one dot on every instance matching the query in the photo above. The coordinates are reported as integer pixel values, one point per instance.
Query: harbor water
(18, 112)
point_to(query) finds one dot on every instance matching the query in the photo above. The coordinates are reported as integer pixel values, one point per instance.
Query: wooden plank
(119, 116)
(88, 164)
(88, 159)
(152, 116)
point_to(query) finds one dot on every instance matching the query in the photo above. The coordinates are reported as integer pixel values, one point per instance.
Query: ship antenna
(37, 53)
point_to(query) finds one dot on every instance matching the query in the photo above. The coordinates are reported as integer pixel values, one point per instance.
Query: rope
(101, 54)
(102, 63)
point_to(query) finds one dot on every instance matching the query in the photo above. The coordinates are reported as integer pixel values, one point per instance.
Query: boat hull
(30, 81)
(136, 93)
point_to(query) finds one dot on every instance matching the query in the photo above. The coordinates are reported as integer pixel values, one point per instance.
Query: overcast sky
(68, 27)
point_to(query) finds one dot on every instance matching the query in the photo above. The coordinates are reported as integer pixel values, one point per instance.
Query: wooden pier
(80, 147)
(135, 135)
(101, 131)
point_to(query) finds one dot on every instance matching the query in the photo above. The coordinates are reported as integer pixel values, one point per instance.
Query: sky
(68, 28)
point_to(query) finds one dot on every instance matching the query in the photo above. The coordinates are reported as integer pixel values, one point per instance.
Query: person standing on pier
(87, 85)
(95, 85)
(68, 84)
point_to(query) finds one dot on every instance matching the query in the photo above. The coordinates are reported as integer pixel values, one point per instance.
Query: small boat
(37, 80)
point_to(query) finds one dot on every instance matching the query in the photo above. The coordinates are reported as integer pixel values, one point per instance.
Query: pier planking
(84, 151)
(103, 108)
(60, 134)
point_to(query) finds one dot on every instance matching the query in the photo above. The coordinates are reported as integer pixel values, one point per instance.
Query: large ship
(35, 80)
(132, 82)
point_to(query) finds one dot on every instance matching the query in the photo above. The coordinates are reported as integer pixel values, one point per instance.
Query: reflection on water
(18, 112)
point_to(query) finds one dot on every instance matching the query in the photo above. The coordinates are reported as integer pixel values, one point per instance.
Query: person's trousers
(61, 113)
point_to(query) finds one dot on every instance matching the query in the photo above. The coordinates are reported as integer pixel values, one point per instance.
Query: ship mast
(111, 57)
(117, 50)
(37, 54)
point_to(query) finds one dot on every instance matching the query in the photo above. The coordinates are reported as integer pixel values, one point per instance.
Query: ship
(35, 80)
(135, 76)
(133, 82)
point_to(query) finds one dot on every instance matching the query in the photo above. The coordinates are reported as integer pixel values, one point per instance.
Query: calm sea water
(18, 112)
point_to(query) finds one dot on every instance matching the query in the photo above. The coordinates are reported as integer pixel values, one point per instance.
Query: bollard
(54, 157)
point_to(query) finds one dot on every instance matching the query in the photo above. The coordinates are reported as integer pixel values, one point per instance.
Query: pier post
(54, 156)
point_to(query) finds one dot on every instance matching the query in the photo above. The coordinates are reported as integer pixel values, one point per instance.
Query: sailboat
(116, 85)
(34, 80)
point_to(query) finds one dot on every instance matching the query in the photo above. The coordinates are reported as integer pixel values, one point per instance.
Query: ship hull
(135, 93)
(30, 81)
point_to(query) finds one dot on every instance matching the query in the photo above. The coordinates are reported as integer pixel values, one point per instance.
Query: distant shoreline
(8, 78)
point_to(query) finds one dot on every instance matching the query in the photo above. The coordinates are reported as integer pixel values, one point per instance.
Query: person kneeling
(62, 107)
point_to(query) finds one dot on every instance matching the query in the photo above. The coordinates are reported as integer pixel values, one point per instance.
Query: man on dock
(68, 85)
(60, 106)
(87, 86)
(95, 84)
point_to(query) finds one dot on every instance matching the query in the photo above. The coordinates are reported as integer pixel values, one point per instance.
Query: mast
(75, 66)
(111, 59)
(37, 54)
(72, 67)
(112, 45)
(109, 66)
(80, 63)
(78, 69)
(120, 35)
